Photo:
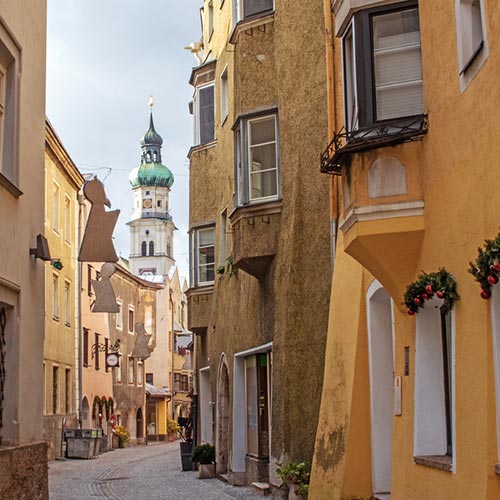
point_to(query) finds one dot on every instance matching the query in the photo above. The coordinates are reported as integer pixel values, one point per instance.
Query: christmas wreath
(441, 284)
(486, 268)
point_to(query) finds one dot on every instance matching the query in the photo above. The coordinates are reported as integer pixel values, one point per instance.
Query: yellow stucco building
(410, 404)
(62, 183)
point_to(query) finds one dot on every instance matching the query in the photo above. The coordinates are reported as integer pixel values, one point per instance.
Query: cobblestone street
(137, 473)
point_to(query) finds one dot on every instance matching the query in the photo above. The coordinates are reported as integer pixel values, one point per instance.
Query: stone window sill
(10, 187)
(443, 462)
(249, 23)
(201, 147)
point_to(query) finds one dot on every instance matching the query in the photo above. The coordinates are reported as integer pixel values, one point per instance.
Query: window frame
(11, 63)
(67, 302)
(56, 207)
(364, 90)
(242, 148)
(56, 306)
(197, 114)
(195, 268)
(239, 11)
(67, 219)
(129, 323)
(224, 95)
(119, 315)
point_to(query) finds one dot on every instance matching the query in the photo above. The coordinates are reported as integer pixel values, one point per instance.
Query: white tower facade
(151, 225)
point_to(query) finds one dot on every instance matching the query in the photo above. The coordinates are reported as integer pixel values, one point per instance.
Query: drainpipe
(173, 352)
(79, 350)
(331, 107)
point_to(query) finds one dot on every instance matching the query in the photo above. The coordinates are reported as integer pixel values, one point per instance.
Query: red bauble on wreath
(422, 290)
(486, 267)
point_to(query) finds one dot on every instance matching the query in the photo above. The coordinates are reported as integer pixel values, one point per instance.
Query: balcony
(345, 143)
(255, 237)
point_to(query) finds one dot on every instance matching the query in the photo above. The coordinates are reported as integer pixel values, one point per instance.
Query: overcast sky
(104, 59)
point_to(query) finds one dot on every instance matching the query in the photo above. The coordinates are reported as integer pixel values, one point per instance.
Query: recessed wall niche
(386, 177)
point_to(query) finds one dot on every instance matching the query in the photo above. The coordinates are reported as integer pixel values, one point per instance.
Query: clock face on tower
(147, 203)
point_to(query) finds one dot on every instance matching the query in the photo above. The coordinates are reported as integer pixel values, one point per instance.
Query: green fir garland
(442, 284)
(486, 268)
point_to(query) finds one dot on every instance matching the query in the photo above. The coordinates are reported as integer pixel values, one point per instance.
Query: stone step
(382, 496)
(262, 488)
(223, 477)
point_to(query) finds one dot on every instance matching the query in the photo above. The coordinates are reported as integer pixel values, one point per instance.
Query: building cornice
(58, 153)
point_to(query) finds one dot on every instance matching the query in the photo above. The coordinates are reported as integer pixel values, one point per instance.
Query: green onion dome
(151, 175)
(151, 172)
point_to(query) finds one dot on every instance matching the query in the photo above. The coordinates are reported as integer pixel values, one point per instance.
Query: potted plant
(296, 476)
(172, 429)
(204, 454)
(123, 435)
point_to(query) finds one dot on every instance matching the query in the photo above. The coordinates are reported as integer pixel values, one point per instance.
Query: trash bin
(81, 443)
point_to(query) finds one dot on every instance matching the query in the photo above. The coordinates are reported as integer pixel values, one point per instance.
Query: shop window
(257, 405)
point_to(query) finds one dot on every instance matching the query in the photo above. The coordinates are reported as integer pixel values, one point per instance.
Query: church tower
(151, 225)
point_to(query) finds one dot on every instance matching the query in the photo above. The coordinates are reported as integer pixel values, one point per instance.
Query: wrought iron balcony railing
(345, 143)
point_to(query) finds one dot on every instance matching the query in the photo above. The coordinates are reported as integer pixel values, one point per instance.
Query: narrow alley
(137, 473)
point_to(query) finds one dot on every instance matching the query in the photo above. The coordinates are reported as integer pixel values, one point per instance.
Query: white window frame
(67, 302)
(119, 315)
(140, 372)
(55, 297)
(210, 23)
(56, 195)
(470, 62)
(119, 370)
(67, 219)
(243, 146)
(224, 95)
(196, 254)
(130, 365)
(197, 114)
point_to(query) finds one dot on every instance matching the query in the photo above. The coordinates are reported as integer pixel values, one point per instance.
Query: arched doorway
(139, 432)
(85, 416)
(222, 444)
(381, 359)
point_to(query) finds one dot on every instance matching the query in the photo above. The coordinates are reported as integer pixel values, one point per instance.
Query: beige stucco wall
(21, 277)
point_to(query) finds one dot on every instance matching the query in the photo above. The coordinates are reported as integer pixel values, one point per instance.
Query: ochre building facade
(410, 402)
(260, 255)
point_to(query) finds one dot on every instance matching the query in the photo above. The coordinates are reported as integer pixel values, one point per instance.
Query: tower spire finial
(151, 102)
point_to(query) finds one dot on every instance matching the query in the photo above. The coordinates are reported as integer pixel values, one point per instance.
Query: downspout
(79, 364)
(173, 352)
(331, 107)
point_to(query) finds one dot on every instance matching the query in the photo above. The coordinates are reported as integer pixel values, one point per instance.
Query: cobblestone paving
(137, 473)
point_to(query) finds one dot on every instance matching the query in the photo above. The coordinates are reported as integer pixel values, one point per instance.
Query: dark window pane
(206, 114)
(251, 7)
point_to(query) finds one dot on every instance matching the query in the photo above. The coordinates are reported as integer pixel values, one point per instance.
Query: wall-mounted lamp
(42, 248)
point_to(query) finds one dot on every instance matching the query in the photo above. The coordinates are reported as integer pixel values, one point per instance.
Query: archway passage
(139, 424)
(222, 445)
(381, 359)
(85, 416)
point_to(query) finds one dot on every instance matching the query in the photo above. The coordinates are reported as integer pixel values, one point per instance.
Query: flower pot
(206, 471)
